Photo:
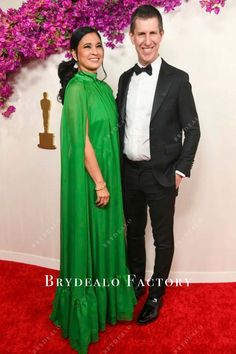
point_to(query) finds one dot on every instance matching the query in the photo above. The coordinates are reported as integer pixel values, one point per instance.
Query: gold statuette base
(46, 141)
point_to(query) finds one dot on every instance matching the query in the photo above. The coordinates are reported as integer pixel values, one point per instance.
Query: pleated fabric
(92, 238)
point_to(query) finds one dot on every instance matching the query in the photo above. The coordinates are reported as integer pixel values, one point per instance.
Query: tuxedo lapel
(163, 84)
(125, 87)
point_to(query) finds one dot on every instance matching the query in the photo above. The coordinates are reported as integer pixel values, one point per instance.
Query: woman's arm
(93, 169)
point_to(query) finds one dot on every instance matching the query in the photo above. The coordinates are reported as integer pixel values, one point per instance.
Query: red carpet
(199, 319)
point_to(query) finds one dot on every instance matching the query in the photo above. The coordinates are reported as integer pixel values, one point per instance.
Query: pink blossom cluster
(43, 27)
(212, 5)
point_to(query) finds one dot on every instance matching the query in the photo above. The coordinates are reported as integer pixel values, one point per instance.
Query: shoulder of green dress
(75, 82)
(105, 85)
(75, 87)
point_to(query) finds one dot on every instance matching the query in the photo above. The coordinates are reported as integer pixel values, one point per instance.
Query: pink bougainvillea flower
(9, 111)
(212, 5)
(40, 28)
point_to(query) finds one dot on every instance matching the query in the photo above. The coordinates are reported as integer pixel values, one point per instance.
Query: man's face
(146, 38)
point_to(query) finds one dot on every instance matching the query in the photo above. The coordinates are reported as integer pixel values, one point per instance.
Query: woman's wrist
(100, 186)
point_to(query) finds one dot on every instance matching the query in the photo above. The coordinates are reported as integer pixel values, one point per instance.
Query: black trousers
(141, 190)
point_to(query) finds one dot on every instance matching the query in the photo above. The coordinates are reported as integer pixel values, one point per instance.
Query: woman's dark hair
(145, 12)
(66, 69)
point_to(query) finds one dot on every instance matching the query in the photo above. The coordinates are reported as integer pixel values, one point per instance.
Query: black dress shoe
(150, 311)
(139, 291)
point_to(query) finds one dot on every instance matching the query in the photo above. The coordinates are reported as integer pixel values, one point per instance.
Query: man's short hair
(145, 12)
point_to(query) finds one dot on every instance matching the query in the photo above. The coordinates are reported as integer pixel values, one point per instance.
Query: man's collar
(155, 64)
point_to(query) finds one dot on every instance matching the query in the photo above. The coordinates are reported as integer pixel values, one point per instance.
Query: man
(156, 107)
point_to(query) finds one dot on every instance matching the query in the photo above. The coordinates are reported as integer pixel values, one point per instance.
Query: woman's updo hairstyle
(67, 69)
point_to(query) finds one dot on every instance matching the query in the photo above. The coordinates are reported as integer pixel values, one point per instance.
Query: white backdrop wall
(197, 42)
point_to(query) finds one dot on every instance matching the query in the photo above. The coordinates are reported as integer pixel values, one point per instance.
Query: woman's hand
(103, 197)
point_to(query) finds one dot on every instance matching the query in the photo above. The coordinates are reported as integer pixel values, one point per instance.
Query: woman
(92, 223)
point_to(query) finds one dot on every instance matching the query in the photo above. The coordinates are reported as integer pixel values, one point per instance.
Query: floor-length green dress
(92, 238)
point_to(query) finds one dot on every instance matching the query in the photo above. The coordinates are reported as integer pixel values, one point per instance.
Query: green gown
(92, 238)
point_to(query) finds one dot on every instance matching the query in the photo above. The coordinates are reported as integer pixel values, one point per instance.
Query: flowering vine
(43, 27)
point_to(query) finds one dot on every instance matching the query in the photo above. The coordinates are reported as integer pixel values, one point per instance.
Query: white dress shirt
(138, 113)
(139, 104)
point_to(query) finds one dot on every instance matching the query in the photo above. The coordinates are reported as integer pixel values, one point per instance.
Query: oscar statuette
(46, 139)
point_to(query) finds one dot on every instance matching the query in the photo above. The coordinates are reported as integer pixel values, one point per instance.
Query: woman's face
(90, 53)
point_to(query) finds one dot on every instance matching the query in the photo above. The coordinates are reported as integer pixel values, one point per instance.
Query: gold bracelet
(99, 189)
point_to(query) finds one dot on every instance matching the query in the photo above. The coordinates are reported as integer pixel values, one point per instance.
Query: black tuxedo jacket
(173, 113)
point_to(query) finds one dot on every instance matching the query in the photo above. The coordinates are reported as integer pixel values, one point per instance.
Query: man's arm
(118, 96)
(190, 125)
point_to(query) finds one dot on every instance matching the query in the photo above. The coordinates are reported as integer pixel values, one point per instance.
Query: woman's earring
(76, 65)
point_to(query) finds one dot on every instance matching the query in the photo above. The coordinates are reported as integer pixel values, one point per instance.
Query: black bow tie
(147, 69)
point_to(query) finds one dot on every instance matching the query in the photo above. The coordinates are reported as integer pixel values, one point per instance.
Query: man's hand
(178, 180)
